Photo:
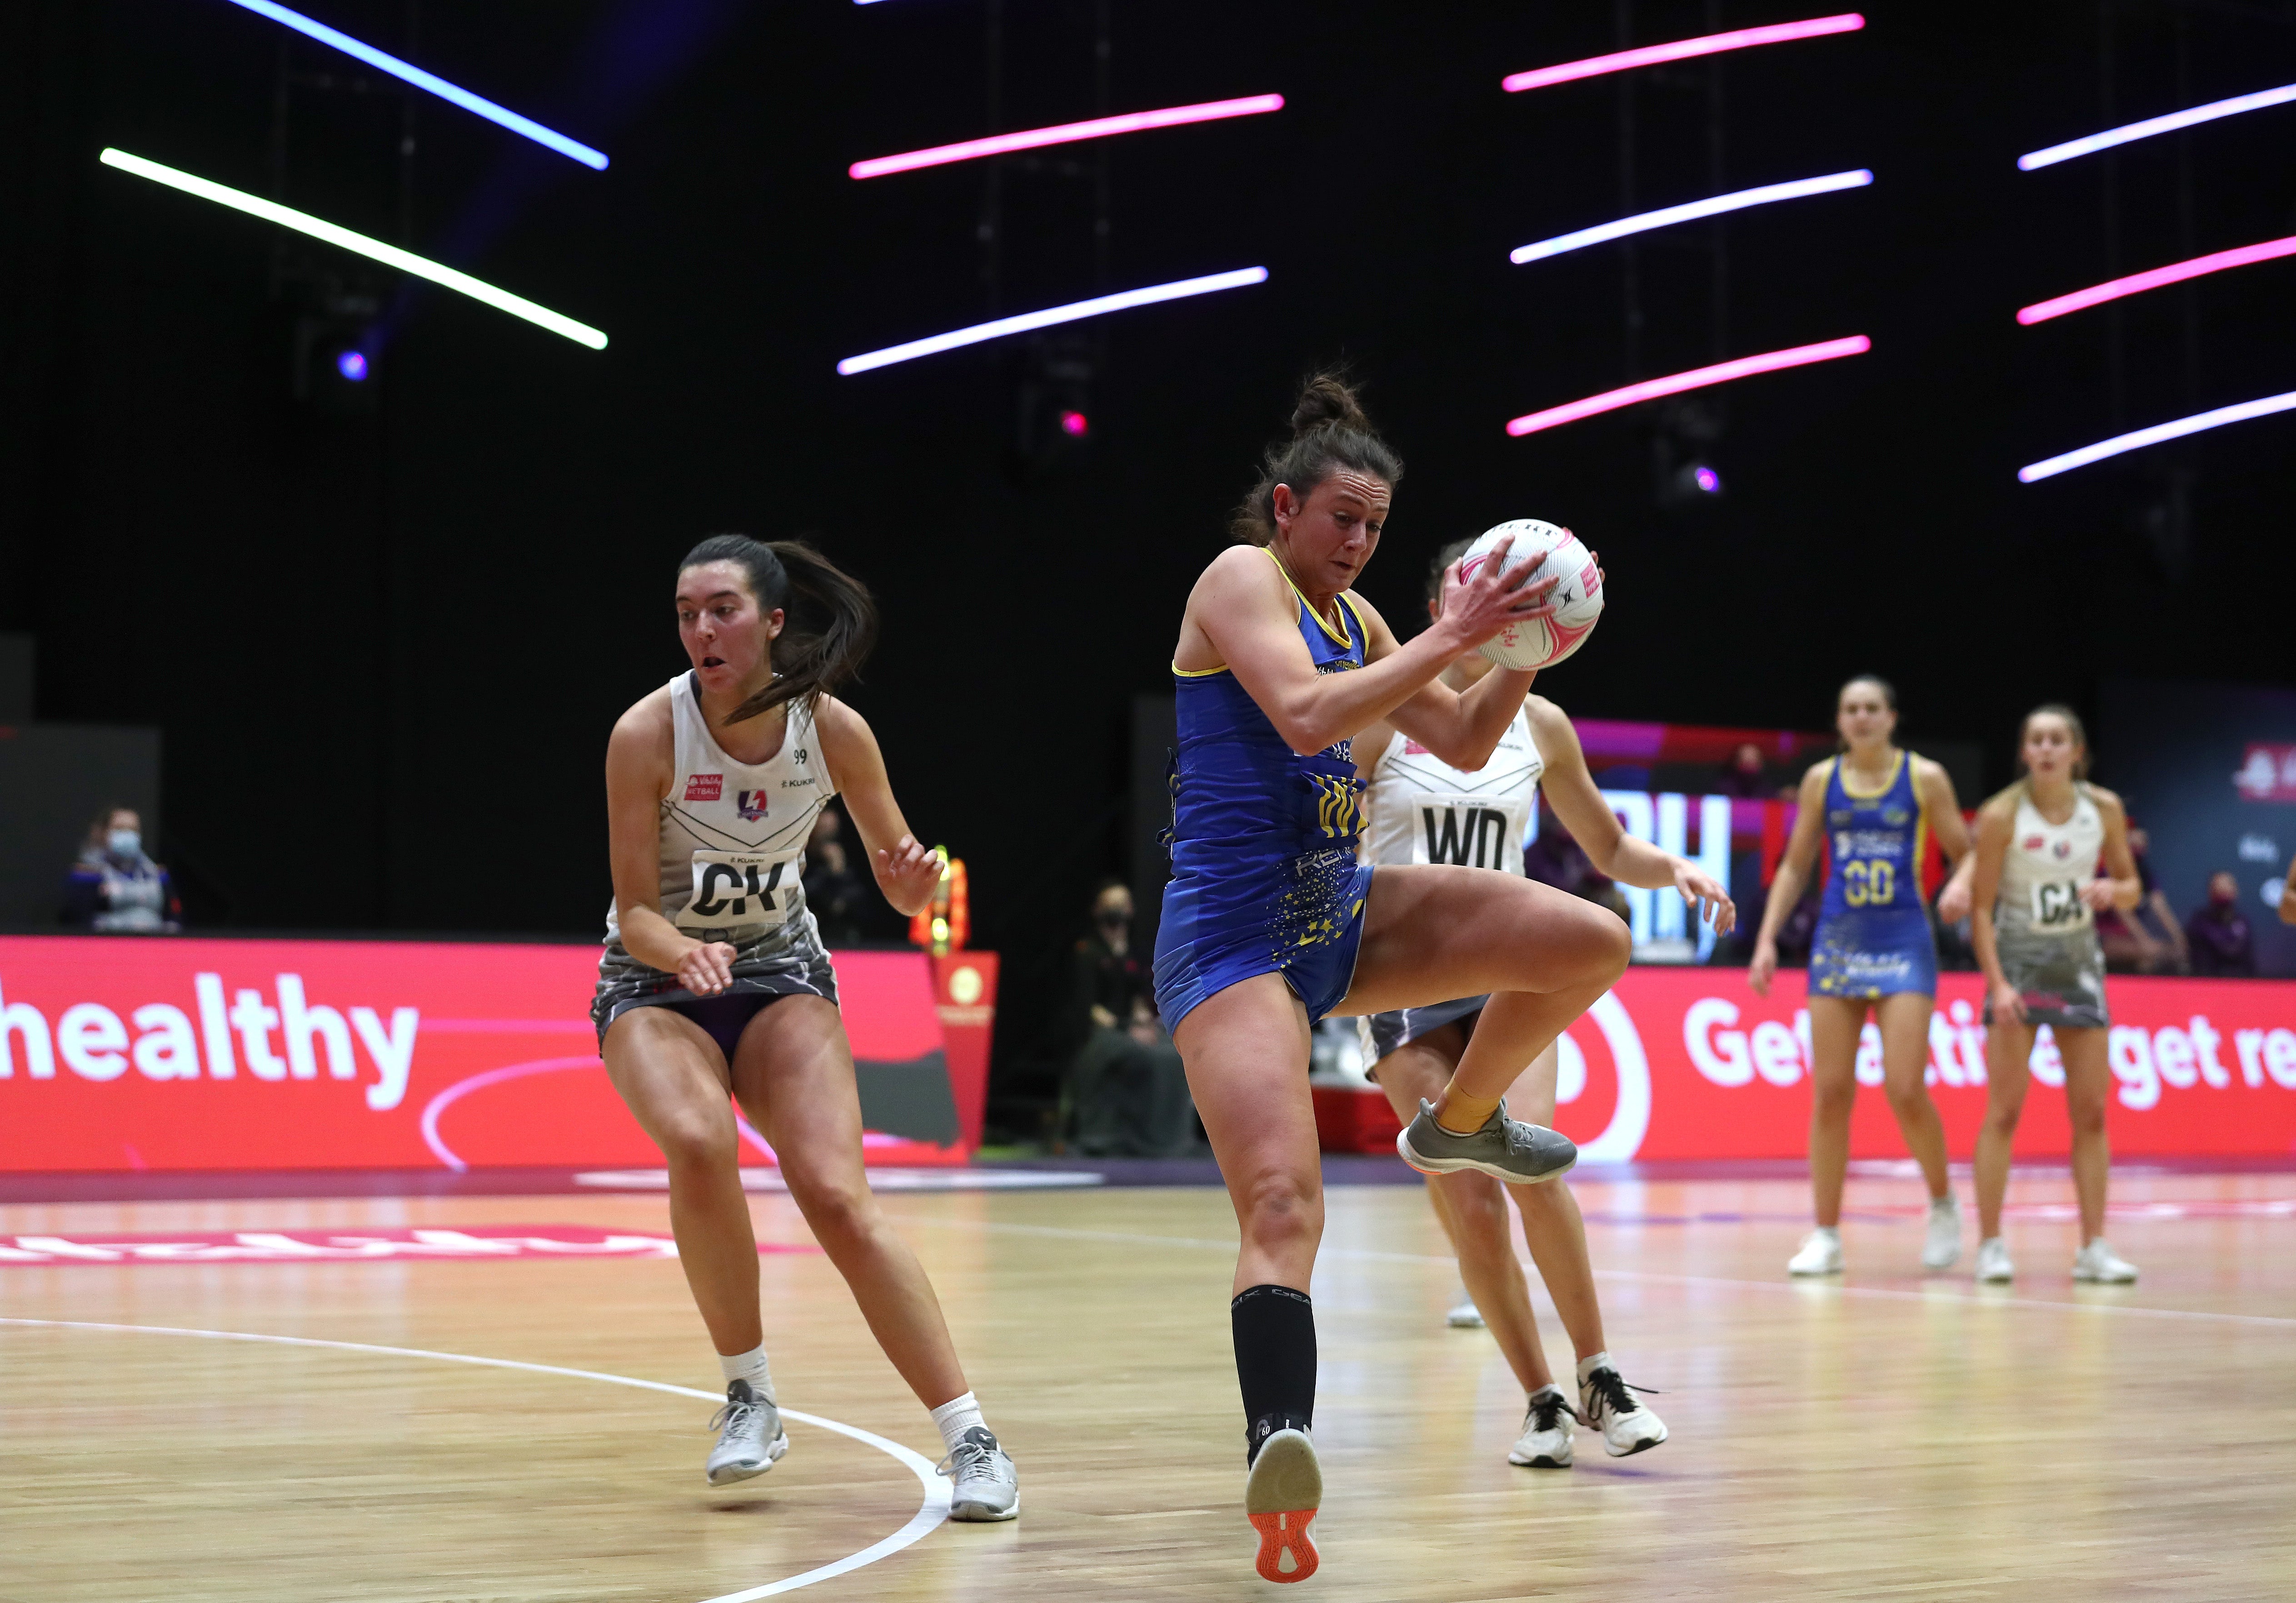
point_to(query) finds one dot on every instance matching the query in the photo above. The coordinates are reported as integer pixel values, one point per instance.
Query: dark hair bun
(1327, 398)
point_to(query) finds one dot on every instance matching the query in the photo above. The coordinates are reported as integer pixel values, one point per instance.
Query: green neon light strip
(389, 256)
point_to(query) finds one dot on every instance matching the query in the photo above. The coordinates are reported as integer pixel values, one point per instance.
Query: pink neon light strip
(1651, 55)
(2135, 283)
(1100, 127)
(1698, 378)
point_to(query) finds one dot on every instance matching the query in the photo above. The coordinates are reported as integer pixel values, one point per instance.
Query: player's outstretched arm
(1245, 611)
(1793, 874)
(907, 872)
(1579, 803)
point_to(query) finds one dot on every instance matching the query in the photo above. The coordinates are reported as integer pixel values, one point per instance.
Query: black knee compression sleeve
(1274, 1360)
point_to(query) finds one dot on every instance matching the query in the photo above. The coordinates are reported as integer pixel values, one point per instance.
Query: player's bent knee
(695, 1143)
(1281, 1207)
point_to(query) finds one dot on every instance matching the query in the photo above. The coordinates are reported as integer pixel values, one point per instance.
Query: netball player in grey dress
(2035, 895)
(715, 983)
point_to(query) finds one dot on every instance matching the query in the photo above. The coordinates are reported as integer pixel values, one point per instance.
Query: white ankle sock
(1589, 1365)
(955, 1416)
(750, 1366)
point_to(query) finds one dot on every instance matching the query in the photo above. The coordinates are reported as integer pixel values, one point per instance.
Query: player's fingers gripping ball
(1577, 601)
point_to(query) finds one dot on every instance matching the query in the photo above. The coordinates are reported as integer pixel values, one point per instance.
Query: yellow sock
(1461, 1114)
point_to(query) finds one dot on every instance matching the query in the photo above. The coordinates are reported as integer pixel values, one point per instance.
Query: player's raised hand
(1479, 606)
(908, 874)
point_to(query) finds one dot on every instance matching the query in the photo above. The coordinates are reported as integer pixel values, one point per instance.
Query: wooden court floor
(1890, 1438)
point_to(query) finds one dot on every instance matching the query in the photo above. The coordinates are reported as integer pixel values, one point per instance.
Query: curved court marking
(932, 1513)
(459, 1089)
(1885, 1293)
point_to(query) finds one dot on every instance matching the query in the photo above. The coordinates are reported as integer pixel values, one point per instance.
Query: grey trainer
(987, 1485)
(1505, 1148)
(750, 1436)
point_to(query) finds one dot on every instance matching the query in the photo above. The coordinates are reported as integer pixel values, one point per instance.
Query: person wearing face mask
(115, 888)
(1127, 1093)
(2218, 933)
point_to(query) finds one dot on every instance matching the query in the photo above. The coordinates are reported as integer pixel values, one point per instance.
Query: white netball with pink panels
(1554, 553)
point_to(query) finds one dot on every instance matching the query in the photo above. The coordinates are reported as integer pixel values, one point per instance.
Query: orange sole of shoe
(1284, 1533)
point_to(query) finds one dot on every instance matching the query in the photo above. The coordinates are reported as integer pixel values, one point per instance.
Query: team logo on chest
(750, 803)
(704, 787)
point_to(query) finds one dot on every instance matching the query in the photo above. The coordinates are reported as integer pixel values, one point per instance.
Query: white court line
(932, 1512)
(1878, 1292)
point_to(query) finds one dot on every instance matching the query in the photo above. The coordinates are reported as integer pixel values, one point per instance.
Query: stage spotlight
(352, 365)
(1075, 424)
(1706, 480)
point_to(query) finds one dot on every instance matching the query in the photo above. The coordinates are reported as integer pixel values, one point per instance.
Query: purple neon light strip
(1697, 378)
(1067, 132)
(1651, 55)
(2136, 283)
(2199, 422)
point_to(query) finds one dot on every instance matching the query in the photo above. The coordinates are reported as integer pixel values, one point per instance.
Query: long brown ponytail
(808, 662)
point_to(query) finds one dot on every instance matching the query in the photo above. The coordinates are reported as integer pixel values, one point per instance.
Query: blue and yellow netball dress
(1264, 879)
(1873, 935)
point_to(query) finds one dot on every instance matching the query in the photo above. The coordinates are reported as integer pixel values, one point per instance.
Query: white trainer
(986, 1487)
(1993, 1265)
(1941, 1245)
(1464, 1314)
(749, 1436)
(1820, 1252)
(2097, 1263)
(1546, 1440)
(1609, 1404)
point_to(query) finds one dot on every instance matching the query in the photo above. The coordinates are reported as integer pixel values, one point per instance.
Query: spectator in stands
(1127, 1093)
(115, 887)
(2221, 942)
(2288, 896)
(2131, 944)
(834, 891)
(1745, 775)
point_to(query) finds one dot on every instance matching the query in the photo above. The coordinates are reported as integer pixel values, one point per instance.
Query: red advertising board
(1689, 1063)
(123, 1053)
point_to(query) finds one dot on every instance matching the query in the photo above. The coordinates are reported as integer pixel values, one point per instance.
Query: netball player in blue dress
(1270, 923)
(1874, 804)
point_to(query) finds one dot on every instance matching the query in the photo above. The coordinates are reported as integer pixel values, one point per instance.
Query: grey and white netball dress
(2045, 932)
(1424, 810)
(732, 862)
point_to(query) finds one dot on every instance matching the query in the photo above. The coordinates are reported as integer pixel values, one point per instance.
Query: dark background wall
(384, 650)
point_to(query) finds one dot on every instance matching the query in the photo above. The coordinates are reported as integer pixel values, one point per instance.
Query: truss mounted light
(431, 82)
(1652, 55)
(2151, 126)
(389, 256)
(2136, 283)
(1689, 212)
(1100, 307)
(2182, 426)
(1067, 132)
(1697, 378)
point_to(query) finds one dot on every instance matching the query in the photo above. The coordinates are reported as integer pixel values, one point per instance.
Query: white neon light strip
(1026, 321)
(390, 255)
(2136, 283)
(1652, 55)
(1067, 132)
(1697, 378)
(2157, 124)
(2153, 436)
(421, 79)
(1689, 213)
